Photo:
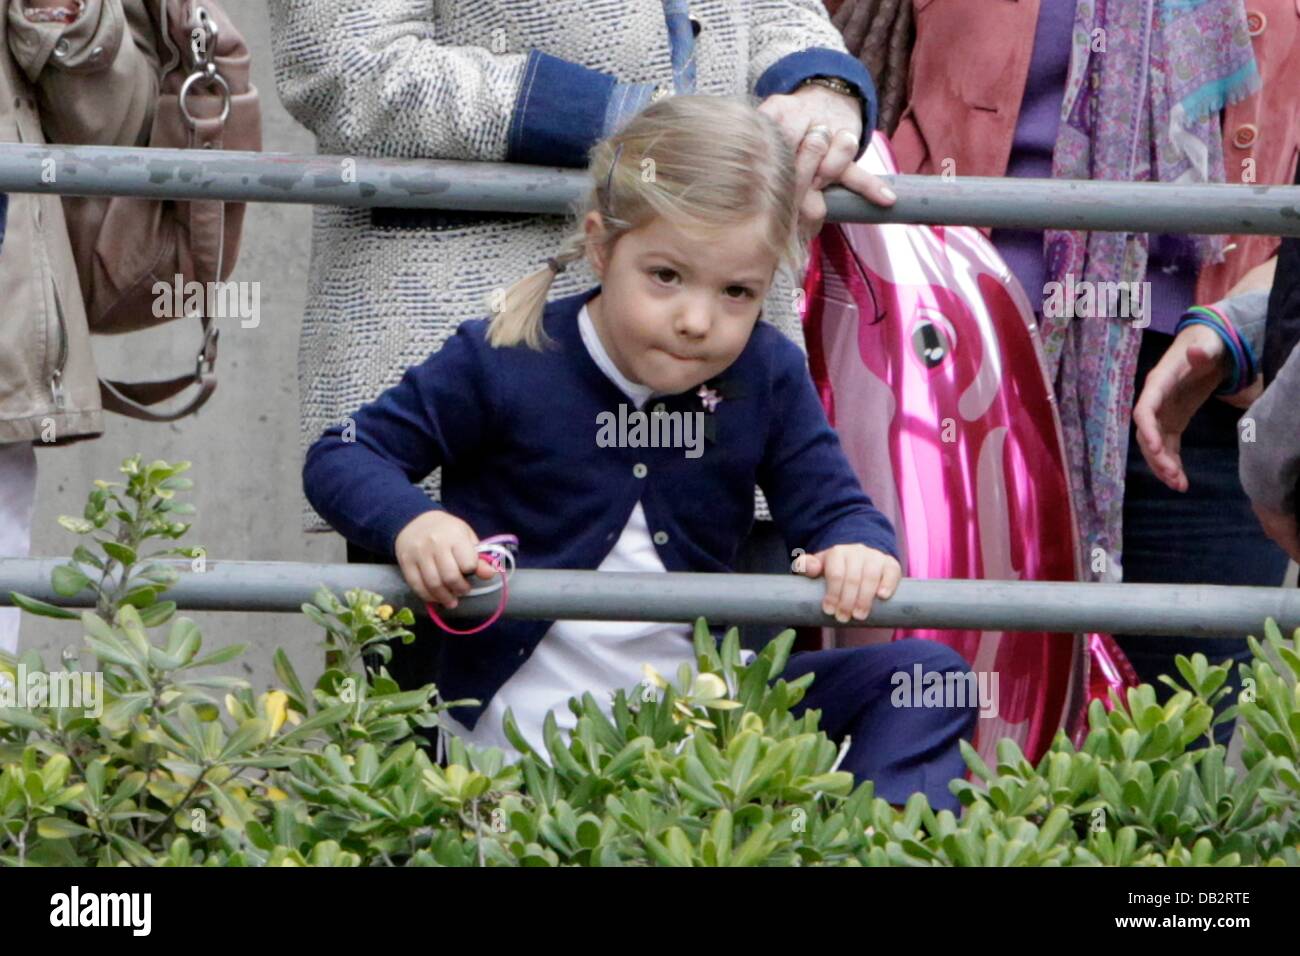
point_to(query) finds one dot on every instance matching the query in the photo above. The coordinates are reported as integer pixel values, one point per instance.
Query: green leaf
(68, 580)
(161, 660)
(780, 649)
(157, 614)
(23, 719)
(119, 552)
(755, 849)
(86, 556)
(1186, 670)
(226, 806)
(249, 734)
(317, 617)
(119, 714)
(517, 740)
(976, 763)
(75, 525)
(141, 597)
(128, 619)
(217, 682)
(41, 608)
(288, 676)
(221, 656)
(183, 640)
(662, 855)
(97, 627)
(323, 718)
(59, 828)
(1292, 661)
(114, 653)
(159, 574)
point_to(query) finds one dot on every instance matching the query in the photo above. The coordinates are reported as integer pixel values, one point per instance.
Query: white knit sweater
(439, 79)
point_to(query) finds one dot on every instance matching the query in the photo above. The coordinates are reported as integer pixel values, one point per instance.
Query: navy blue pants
(1206, 535)
(903, 749)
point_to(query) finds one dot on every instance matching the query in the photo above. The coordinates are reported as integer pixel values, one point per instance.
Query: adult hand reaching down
(1194, 366)
(1182, 381)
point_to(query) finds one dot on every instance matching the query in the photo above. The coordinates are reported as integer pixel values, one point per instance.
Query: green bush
(709, 770)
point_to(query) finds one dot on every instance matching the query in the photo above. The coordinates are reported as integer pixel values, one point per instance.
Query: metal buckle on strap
(207, 357)
(203, 47)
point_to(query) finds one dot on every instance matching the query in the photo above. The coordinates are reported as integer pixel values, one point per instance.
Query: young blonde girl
(691, 210)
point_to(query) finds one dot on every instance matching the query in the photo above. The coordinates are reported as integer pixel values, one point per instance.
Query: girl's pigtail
(517, 311)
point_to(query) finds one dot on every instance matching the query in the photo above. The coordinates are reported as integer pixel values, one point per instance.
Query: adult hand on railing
(826, 128)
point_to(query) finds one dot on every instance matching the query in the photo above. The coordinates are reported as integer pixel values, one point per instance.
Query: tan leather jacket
(92, 81)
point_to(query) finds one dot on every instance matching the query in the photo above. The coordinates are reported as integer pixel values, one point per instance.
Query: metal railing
(1202, 610)
(275, 586)
(502, 187)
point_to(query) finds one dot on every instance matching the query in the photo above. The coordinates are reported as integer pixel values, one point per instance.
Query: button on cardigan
(515, 433)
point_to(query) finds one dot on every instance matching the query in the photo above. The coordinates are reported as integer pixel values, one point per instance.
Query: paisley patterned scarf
(1146, 83)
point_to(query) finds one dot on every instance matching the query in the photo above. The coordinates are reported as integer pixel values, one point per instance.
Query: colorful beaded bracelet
(1244, 367)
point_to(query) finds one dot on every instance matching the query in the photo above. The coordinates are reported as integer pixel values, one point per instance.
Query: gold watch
(831, 83)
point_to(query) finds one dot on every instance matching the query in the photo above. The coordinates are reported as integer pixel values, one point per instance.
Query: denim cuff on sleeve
(560, 112)
(627, 100)
(785, 75)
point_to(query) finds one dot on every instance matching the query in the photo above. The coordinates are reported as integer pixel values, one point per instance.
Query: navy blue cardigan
(515, 432)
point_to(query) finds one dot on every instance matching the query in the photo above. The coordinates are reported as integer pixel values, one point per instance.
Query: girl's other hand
(855, 576)
(435, 552)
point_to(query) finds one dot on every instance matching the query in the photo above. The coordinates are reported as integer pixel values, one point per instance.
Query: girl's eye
(739, 292)
(664, 274)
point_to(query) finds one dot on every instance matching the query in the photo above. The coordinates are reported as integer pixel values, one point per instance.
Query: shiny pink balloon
(924, 350)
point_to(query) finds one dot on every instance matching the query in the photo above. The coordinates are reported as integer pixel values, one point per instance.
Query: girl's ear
(594, 227)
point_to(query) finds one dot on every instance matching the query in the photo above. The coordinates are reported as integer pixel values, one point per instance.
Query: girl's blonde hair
(701, 162)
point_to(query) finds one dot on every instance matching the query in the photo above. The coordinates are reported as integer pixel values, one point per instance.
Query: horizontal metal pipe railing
(440, 184)
(274, 586)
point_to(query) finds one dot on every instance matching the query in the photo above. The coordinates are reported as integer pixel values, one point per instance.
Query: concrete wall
(244, 444)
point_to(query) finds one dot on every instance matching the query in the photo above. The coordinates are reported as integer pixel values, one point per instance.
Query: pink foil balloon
(924, 349)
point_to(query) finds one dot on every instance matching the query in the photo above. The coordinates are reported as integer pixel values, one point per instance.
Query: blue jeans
(1206, 535)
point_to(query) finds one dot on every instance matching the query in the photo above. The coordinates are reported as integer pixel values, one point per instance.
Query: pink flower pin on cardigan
(709, 397)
